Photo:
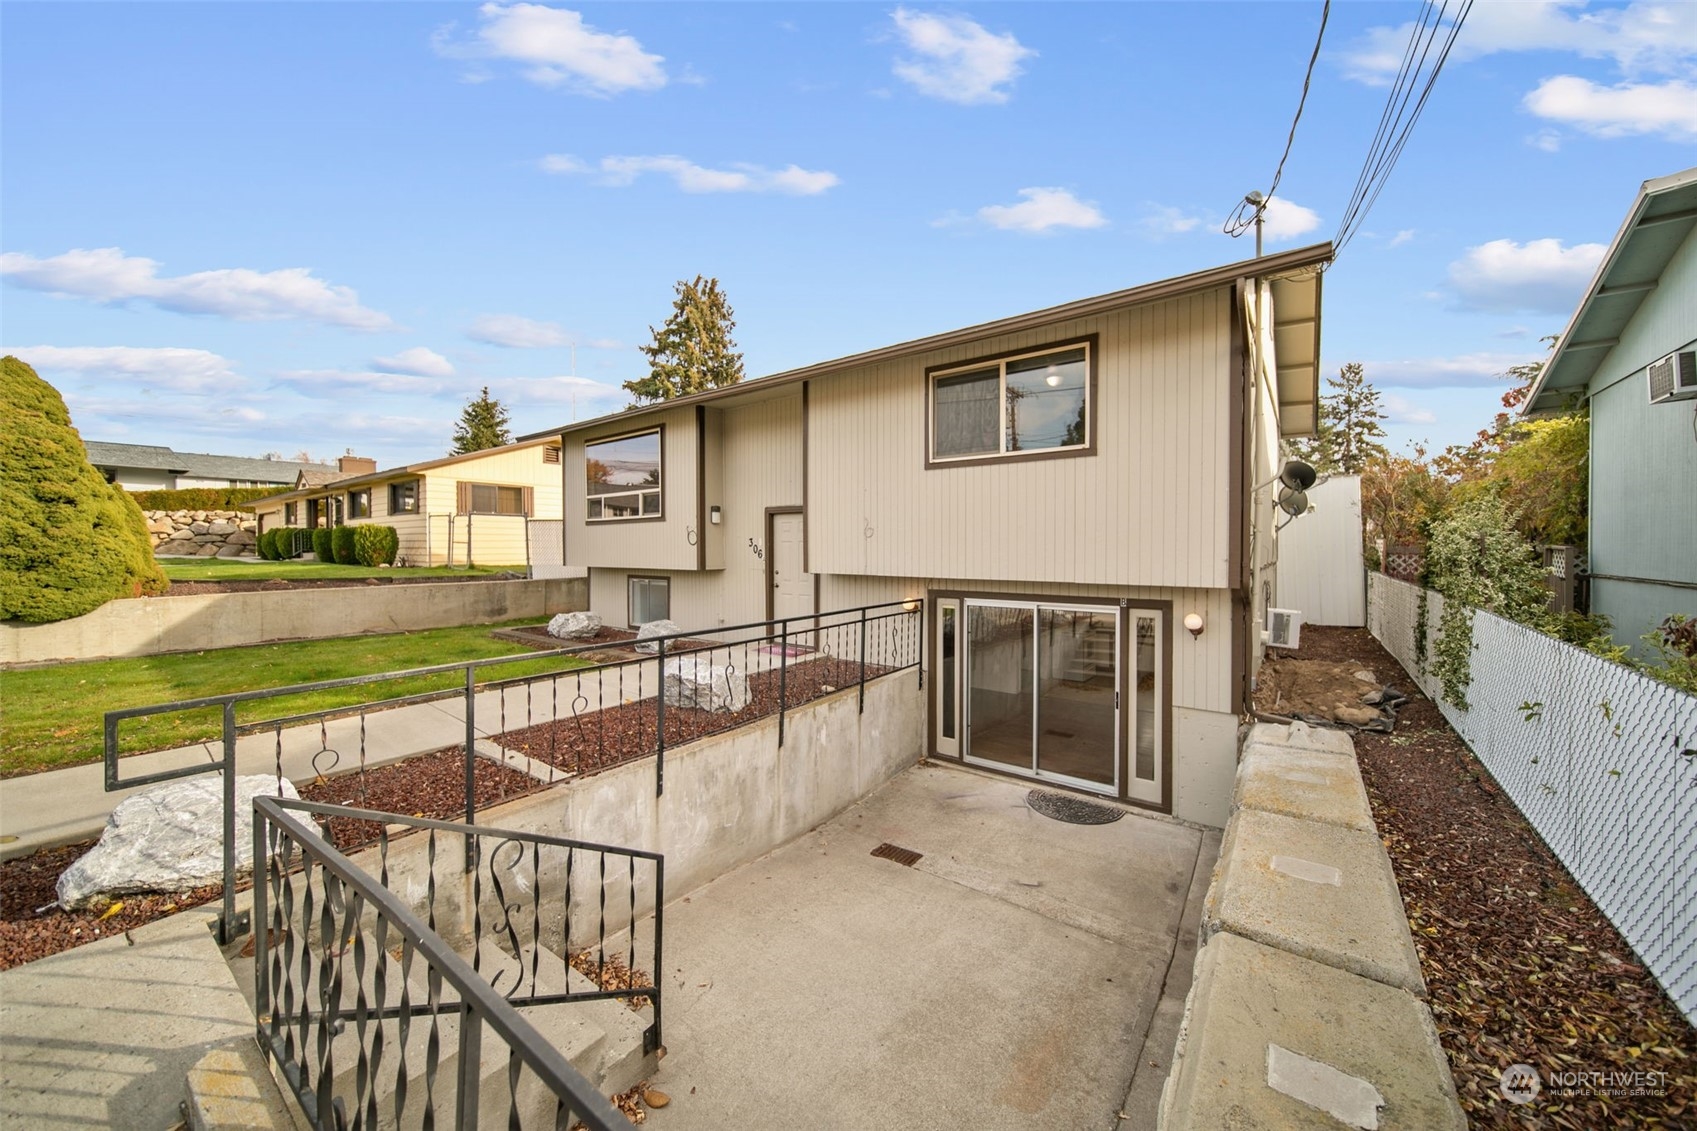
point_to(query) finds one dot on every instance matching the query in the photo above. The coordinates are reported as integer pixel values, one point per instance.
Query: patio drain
(905, 856)
(1072, 810)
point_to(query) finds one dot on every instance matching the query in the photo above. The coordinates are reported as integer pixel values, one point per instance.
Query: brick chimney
(355, 465)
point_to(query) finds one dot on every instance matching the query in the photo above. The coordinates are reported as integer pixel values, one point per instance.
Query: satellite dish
(1293, 501)
(1297, 476)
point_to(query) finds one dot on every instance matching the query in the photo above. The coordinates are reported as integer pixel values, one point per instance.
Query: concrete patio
(1010, 978)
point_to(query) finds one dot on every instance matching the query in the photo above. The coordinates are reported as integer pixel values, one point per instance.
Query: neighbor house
(149, 467)
(1061, 489)
(1630, 354)
(465, 509)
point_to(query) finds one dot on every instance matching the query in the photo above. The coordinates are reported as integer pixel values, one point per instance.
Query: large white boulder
(645, 634)
(574, 626)
(695, 681)
(168, 838)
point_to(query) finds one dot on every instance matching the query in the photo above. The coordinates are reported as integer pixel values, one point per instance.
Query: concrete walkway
(1006, 980)
(64, 806)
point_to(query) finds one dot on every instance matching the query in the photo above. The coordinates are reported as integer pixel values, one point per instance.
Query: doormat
(1072, 810)
(785, 650)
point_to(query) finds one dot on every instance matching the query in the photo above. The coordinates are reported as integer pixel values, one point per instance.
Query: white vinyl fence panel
(1600, 759)
(1320, 565)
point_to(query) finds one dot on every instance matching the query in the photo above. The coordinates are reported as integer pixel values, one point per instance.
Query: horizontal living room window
(622, 477)
(1032, 403)
(492, 498)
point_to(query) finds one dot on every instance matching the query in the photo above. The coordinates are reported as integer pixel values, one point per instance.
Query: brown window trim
(417, 486)
(1125, 605)
(630, 622)
(659, 430)
(464, 499)
(1088, 448)
(354, 511)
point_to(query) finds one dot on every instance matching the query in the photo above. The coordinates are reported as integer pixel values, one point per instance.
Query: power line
(1238, 223)
(1396, 121)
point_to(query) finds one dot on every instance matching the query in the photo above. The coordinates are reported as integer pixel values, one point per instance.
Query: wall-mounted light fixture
(1193, 624)
(911, 604)
(714, 515)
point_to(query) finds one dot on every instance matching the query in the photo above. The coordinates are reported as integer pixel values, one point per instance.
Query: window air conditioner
(1674, 377)
(1284, 628)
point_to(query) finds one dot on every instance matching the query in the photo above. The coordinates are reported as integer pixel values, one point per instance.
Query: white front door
(792, 589)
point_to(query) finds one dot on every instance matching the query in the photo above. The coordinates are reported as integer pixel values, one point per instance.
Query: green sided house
(1630, 354)
(471, 508)
(1060, 489)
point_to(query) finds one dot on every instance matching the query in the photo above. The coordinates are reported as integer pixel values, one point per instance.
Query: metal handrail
(478, 1005)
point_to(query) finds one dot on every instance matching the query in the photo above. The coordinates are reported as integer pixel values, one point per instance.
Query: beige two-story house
(1059, 489)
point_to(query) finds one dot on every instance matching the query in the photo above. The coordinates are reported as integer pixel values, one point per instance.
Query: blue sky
(246, 227)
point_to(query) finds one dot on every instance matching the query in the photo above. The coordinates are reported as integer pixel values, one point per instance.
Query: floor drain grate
(1072, 810)
(905, 856)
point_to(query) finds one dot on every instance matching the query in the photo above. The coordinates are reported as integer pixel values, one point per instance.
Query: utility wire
(1246, 214)
(1397, 121)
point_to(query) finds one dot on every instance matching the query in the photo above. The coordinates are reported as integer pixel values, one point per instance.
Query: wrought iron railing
(373, 1019)
(536, 718)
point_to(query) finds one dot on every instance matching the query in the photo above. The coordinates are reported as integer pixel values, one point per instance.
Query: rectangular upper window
(622, 477)
(1027, 404)
(359, 504)
(403, 497)
(289, 513)
(492, 498)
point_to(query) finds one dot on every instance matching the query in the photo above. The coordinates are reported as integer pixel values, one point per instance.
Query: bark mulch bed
(431, 785)
(192, 588)
(1521, 966)
(597, 740)
(28, 882)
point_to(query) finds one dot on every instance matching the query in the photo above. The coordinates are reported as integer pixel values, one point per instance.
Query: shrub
(1675, 644)
(265, 545)
(375, 544)
(342, 544)
(203, 498)
(321, 544)
(292, 541)
(69, 541)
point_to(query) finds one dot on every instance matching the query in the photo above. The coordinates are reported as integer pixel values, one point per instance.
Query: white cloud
(956, 59)
(516, 332)
(1401, 410)
(1547, 140)
(557, 49)
(1286, 219)
(179, 370)
(1649, 36)
(1668, 108)
(107, 275)
(1042, 210)
(317, 381)
(1539, 275)
(792, 180)
(1164, 220)
(1471, 370)
(1406, 235)
(418, 361)
(556, 390)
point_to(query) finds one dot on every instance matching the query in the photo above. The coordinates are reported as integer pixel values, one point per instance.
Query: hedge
(321, 545)
(375, 544)
(342, 544)
(69, 541)
(266, 545)
(204, 498)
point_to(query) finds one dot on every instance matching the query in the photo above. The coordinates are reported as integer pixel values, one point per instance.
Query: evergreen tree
(482, 425)
(1347, 432)
(693, 351)
(69, 540)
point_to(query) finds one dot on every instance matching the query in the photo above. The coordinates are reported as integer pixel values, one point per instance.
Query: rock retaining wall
(204, 534)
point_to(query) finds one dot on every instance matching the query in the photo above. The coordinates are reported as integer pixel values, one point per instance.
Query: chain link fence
(1601, 760)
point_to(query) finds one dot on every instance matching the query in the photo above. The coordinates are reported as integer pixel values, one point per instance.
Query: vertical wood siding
(1150, 505)
(652, 546)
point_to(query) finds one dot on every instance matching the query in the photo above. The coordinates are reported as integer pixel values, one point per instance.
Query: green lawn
(51, 717)
(237, 569)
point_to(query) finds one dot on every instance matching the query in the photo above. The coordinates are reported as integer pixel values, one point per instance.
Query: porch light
(910, 605)
(1193, 624)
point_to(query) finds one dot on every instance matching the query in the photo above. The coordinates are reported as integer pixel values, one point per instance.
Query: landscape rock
(1357, 716)
(645, 635)
(239, 538)
(221, 527)
(209, 550)
(695, 681)
(231, 550)
(168, 838)
(574, 626)
(201, 527)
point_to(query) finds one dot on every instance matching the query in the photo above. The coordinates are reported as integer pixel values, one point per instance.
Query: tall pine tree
(483, 424)
(1347, 433)
(693, 351)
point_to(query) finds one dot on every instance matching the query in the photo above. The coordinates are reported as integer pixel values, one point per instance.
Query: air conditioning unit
(1284, 629)
(1674, 377)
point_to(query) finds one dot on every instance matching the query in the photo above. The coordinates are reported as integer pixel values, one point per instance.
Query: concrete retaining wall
(729, 799)
(147, 626)
(1307, 1008)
